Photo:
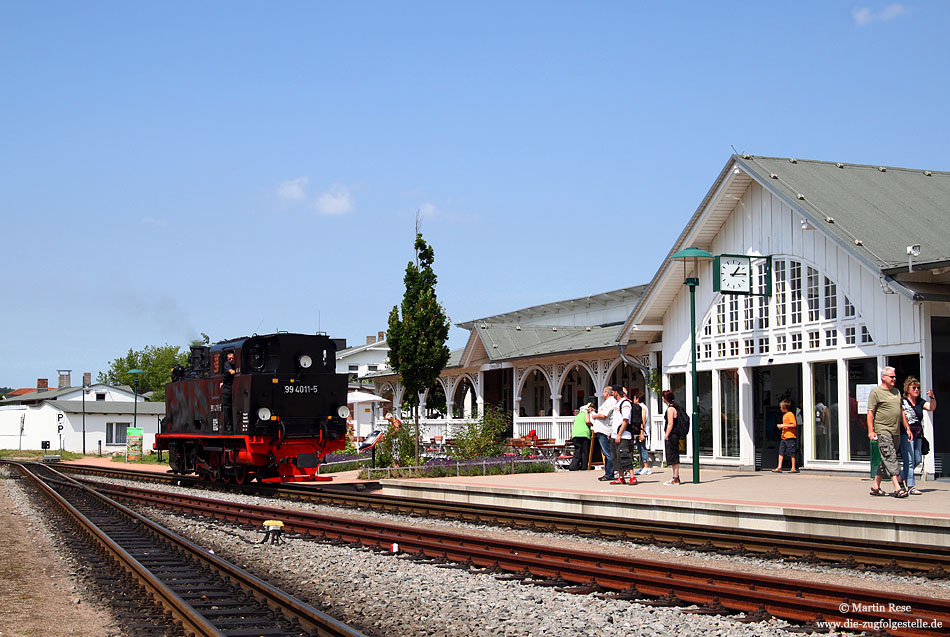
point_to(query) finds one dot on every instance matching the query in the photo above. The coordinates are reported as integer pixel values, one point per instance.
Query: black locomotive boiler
(287, 409)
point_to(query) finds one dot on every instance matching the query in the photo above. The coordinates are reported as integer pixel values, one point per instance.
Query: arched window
(805, 309)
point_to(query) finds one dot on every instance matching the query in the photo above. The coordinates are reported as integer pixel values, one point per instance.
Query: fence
(484, 464)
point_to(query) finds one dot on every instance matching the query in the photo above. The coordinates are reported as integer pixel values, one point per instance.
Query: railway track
(160, 583)
(928, 561)
(576, 571)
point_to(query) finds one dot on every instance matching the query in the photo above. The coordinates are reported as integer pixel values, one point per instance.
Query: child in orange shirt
(789, 442)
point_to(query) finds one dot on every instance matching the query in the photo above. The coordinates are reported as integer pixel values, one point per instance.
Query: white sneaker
(639, 472)
(646, 471)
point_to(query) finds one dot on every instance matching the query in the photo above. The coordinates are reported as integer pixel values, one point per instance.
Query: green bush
(398, 446)
(483, 438)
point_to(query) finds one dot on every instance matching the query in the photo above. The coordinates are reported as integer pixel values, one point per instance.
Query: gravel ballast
(384, 594)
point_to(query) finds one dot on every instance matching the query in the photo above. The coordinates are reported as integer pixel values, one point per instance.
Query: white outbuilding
(92, 418)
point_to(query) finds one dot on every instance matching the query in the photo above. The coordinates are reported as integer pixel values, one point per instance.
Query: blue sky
(170, 168)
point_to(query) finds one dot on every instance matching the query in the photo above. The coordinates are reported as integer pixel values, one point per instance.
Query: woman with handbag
(911, 445)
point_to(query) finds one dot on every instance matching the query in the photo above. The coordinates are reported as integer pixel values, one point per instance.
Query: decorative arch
(539, 401)
(566, 383)
(433, 402)
(460, 408)
(619, 373)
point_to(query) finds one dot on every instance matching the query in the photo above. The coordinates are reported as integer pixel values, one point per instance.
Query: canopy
(363, 397)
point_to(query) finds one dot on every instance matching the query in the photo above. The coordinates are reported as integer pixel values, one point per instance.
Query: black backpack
(681, 425)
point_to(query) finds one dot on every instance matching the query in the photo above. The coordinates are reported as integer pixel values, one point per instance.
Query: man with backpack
(621, 437)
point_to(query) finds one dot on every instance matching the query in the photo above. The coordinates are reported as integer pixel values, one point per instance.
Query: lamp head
(914, 250)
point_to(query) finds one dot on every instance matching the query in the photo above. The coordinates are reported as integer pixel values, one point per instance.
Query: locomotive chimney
(42, 384)
(65, 377)
(86, 379)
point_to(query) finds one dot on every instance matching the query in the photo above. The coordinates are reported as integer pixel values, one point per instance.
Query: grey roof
(503, 342)
(108, 407)
(876, 211)
(569, 305)
(50, 394)
(37, 396)
(359, 348)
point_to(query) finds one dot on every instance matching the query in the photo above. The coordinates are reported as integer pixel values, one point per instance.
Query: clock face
(735, 274)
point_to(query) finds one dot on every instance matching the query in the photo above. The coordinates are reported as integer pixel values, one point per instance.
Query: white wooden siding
(761, 224)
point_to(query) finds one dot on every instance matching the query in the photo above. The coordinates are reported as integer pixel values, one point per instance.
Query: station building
(850, 272)
(858, 258)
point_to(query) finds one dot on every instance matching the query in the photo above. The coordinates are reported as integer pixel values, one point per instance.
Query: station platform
(824, 505)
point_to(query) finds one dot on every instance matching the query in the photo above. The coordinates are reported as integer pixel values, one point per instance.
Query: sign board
(133, 441)
(862, 393)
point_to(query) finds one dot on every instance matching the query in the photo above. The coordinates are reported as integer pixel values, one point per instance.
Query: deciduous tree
(416, 338)
(156, 362)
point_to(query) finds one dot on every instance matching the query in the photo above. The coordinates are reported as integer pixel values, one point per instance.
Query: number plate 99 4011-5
(301, 389)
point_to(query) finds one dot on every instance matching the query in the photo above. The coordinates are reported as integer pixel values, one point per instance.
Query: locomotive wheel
(240, 474)
(214, 460)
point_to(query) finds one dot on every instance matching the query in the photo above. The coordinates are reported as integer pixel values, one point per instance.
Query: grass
(147, 458)
(37, 454)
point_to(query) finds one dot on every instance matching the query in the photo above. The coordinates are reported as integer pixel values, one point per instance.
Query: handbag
(924, 446)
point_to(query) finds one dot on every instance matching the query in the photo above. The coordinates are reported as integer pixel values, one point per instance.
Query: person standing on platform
(602, 430)
(885, 417)
(580, 436)
(911, 443)
(671, 437)
(621, 437)
(227, 400)
(789, 443)
(640, 428)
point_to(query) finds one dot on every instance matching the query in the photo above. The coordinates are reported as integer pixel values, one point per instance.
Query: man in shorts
(885, 418)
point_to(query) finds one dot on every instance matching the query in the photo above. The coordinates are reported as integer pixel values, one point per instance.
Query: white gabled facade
(830, 326)
(360, 360)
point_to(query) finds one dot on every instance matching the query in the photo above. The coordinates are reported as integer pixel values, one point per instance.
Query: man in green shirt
(580, 436)
(885, 418)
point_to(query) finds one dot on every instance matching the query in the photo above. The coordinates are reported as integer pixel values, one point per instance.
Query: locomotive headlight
(343, 411)
(263, 413)
(305, 361)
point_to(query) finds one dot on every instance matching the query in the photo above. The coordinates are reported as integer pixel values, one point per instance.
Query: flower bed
(444, 467)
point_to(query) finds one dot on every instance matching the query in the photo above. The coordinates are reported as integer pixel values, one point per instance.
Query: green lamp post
(696, 255)
(135, 406)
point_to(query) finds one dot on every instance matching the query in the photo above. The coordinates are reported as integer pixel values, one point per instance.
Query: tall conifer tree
(417, 350)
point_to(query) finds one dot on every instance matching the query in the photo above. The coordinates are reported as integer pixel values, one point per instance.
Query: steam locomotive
(287, 409)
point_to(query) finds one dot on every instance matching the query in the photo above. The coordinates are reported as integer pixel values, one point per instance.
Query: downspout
(643, 368)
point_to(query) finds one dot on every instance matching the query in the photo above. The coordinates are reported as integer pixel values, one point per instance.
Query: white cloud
(152, 221)
(864, 16)
(335, 201)
(428, 210)
(293, 189)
